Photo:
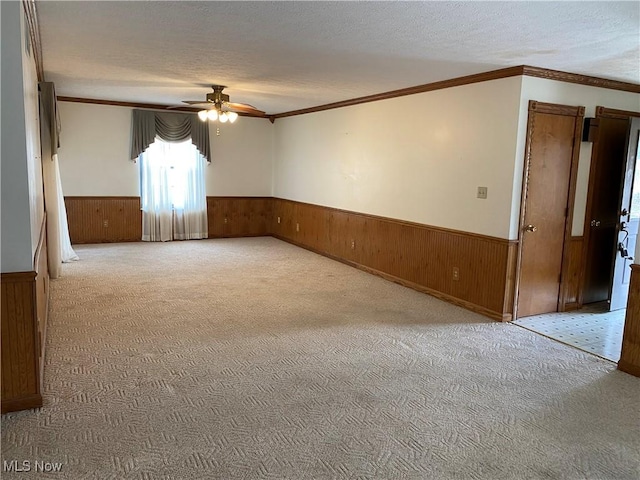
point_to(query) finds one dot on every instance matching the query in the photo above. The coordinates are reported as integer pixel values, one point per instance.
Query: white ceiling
(282, 56)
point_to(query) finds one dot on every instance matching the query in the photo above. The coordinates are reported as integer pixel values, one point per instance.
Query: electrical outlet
(297, 227)
(278, 219)
(353, 244)
(482, 192)
(456, 274)
(105, 223)
(226, 220)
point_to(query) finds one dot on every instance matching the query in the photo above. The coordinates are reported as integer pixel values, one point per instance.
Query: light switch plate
(482, 192)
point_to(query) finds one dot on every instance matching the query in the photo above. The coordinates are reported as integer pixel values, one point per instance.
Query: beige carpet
(254, 359)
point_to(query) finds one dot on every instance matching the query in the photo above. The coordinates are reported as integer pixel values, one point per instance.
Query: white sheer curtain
(155, 195)
(67, 253)
(58, 242)
(190, 206)
(173, 196)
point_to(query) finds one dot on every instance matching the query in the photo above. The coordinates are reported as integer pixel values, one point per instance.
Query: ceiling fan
(218, 106)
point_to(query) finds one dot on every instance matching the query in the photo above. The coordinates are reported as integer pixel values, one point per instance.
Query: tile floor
(592, 329)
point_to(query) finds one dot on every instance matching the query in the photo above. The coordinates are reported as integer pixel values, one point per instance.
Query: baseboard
(405, 283)
(239, 235)
(22, 403)
(629, 368)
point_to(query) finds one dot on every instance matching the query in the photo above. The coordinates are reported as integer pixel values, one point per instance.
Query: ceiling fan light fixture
(219, 108)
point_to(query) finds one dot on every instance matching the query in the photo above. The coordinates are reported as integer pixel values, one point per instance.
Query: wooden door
(605, 178)
(549, 182)
(627, 225)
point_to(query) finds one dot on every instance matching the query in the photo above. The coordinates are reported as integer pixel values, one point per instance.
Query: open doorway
(613, 215)
(611, 226)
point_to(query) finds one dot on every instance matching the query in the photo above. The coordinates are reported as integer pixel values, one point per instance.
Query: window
(172, 192)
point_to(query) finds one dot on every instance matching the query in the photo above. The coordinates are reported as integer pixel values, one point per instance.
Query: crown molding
(428, 87)
(521, 70)
(524, 70)
(31, 16)
(580, 79)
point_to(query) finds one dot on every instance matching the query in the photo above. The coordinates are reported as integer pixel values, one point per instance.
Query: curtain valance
(171, 127)
(50, 112)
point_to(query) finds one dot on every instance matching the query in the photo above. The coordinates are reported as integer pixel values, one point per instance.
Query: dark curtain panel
(49, 107)
(170, 127)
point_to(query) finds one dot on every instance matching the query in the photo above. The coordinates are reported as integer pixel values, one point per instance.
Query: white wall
(552, 91)
(95, 146)
(94, 151)
(242, 159)
(418, 158)
(21, 184)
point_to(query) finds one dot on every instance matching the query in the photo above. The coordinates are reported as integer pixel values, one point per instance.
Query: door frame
(586, 235)
(553, 109)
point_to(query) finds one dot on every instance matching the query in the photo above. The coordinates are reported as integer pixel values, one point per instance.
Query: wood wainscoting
(414, 255)
(630, 355)
(419, 256)
(239, 216)
(119, 219)
(104, 219)
(571, 298)
(25, 307)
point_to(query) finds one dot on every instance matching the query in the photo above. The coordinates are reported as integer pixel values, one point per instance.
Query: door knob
(595, 223)
(530, 228)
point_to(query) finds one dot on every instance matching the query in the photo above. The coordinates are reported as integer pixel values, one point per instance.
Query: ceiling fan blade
(178, 107)
(196, 102)
(243, 108)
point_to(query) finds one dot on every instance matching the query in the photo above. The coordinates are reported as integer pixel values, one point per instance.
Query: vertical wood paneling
(20, 360)
(24, 304)
(417, 255)
(215, 217)
(245, 216)
(239, 216)
(630, 355)
(572, 297)
(510, 281)
(104, 219)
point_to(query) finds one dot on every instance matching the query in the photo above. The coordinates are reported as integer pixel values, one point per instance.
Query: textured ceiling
(281, 56)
